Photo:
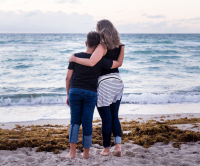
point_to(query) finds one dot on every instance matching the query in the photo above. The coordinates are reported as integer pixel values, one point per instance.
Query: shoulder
(80, 54)
(77, 54)
(102, 48)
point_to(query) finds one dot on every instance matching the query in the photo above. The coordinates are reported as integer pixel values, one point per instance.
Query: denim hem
(87, 141)
(73, 133)
(107, 147)
(117, 140)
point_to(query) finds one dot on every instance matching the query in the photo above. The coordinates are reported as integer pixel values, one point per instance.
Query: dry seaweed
(96, 121)
(52, 138)
(195, 126)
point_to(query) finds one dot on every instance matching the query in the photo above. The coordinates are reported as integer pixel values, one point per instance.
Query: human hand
(119, 44)
(71, 58)
(67, 101)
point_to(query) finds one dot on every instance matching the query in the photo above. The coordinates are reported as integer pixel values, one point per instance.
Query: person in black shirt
(110, 87)
(81, 87)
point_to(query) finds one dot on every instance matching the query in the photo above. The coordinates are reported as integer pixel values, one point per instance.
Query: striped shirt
(110, 89)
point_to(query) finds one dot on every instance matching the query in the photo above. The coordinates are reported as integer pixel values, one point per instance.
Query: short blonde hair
(109, 35)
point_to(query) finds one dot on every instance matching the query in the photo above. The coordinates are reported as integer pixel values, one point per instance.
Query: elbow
(120, 64)
(67, 79)
(92, 64)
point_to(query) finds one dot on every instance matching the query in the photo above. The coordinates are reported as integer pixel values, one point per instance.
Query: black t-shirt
(113, 55)
(85, 77)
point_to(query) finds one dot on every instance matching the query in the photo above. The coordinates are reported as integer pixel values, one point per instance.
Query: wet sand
(128, 117)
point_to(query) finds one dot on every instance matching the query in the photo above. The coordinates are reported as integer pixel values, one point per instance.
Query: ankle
(106, 150)
(72, 149)
(118, 146)
(86, 153)
(72, 152)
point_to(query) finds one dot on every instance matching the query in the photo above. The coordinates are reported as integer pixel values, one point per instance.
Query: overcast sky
(81, 16)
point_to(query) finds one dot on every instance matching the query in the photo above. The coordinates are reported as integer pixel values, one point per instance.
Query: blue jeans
(110, 123)
(82, 103)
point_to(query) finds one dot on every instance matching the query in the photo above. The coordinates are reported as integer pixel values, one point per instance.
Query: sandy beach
(132, 154)
(158, 154)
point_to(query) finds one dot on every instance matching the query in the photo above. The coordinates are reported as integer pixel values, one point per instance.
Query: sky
(81, 16)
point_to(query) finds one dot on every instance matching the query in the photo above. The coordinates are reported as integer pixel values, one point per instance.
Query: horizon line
(81, 33)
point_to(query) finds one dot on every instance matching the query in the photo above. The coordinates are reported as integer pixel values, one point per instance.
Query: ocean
(161, 74)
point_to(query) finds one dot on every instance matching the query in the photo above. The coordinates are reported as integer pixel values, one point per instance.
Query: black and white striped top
(110, 89)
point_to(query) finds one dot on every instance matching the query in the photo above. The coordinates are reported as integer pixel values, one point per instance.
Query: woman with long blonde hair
(110, 85)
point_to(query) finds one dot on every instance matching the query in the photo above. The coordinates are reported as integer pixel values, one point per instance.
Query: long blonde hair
(109, 35)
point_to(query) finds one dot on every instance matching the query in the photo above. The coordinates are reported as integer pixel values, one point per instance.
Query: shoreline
(18, 114)
(128, 117)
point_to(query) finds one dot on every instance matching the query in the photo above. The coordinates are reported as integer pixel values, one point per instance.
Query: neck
(89, 50)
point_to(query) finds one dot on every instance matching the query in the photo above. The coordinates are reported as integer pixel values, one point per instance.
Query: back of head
(109, 35)
(93, 39)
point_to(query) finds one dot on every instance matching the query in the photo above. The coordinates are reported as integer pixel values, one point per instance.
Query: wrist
(74, 59)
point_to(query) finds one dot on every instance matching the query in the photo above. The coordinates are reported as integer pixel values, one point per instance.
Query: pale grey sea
(159, 71)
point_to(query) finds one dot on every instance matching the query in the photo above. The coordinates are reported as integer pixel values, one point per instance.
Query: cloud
(60, 22)
(32, 13)
(160, 27)
(40, 22)
(120, 11)
(157, 16)
(194, 19)
(66, 1)
(153, 16)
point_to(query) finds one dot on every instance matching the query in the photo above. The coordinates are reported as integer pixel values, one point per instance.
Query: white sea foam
(145, 98)
(33, 101)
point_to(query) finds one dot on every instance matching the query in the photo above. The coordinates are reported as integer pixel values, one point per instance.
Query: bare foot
(118, 148)
(117, 151)
(84, 155)
(70, 156)
(72, 152)
(105, 152)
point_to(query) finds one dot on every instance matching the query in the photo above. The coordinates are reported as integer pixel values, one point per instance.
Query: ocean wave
(192, 67)
(188, 43)
(144, 98)
(168, 57)
(139, 42)
(22, 66)
(155, 60)
(32, 100)
(196, 55)
(166, 52)
(148, 98)
(164, 42)
(153, 68)
(30, 45)
(19, 60)
(66, 51)
(35, 95)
